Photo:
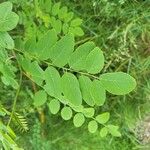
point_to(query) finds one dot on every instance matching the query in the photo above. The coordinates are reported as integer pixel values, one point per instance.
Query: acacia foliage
(72, 78)
(69, 78)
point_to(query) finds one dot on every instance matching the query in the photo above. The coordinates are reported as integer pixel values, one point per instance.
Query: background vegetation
(121, 28)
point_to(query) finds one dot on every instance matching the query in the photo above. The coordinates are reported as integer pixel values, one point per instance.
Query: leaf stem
(68, 69)
(17, 92)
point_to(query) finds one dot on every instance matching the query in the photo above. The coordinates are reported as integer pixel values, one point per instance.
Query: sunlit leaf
(118, 83)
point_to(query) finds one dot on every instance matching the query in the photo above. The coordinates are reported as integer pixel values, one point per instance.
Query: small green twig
(17, 93)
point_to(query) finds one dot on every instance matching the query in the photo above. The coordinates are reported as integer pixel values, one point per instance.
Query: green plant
(8, 21)
(38, 16)
(65, 76)
(69, 84)
(7, 135)
(58, 18)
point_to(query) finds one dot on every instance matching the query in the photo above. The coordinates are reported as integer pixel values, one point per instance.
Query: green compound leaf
(10, 22)
(55, 9)
(77, 59)
(7, 70)
(118, 83)
(45, 44)
(8, 19)
(62, 50)
(25, 63)
(56, 24)
(10, 81)
(88, 112)
(6, 41)
(5, 9)
(53, 82)
(68, 17)
(42, 48)
(3, 54)
(8, 75)
(47, 4)
(78, 120)
(92, 126)
(40, 98)
(30, 46)
(36, 72)
(113, 130)
(95, 61)
(77, 108)
(103, 118)
(76, 31)
(32, 69)
(54, 106)
(70, 89)
(65, 28)
(85, 85)
(98, 93)
(76, 22)
(66, 113)
(62, 14)
(103, 132)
